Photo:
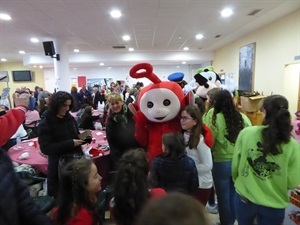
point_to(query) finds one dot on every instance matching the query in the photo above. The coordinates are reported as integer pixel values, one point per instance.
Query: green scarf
(121, 117)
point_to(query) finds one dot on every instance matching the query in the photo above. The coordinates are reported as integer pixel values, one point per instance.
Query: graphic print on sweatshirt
(261, 166)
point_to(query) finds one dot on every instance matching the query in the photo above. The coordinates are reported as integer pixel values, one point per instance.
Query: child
(196, 149)
(79, 186)
(173, 170)
(175, 208)
(131, 190)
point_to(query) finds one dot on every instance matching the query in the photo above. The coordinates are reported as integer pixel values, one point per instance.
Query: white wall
(276, 46)
(122, 73)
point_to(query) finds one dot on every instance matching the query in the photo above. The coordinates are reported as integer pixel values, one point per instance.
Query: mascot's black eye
(210, 78)
(150, 104)
(167, 102)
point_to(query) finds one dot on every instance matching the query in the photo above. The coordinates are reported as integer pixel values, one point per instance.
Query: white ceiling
(159, 29)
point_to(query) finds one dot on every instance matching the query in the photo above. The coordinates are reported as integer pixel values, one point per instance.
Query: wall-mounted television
(22, 75)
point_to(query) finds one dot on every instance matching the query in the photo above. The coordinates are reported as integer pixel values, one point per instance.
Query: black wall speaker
(49, 48)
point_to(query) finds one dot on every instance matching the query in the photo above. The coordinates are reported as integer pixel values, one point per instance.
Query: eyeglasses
(185, 118)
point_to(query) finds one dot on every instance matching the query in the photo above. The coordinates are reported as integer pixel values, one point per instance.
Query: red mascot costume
(157, 110)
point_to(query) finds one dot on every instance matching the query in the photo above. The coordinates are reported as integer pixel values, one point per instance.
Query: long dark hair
(197, 130)
(278, 121)
(73, 182)
(233, 118)
(130, 186)
(58, 99)
(174, 145)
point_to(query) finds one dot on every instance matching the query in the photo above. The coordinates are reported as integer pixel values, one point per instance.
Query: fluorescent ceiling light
(34, 40)
(76, 50)
(126, 37)
(5, 16)
(3, 60)
(226, 12)
(131, 49)
(21, 52)
(183, 62)
(115, 14)
(186, 48)
(199, 36)
(101, 64)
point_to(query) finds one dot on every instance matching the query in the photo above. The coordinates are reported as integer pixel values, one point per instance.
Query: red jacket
(10, 123)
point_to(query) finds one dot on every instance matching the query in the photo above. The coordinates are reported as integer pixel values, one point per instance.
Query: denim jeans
(247, 212)
(225, 191)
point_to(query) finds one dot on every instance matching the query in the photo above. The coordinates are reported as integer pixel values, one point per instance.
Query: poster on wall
(81, 80)
(246, 67)
(98, 82)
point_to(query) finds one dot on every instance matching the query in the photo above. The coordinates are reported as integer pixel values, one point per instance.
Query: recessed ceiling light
(226, 12)
(5, 16)
(3, 60)
(183, 62)
(177, 67)
(76, 50)
(186, 48)
(75, 68)
(131, 49)
(115, 13)
(109, 67)
(126, 37)
(199, 36)
(101, 64)
(41, 67)
(34, 66)
(34, 40)
(21, 52)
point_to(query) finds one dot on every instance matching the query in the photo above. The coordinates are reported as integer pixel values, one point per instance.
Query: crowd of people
(251, 168)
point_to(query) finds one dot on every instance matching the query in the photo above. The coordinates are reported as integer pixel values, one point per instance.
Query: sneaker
(213, 209)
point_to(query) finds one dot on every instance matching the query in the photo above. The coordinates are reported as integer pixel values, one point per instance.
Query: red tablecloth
(41, 162)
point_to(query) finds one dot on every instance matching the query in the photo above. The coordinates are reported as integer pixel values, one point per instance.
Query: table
(40, 162)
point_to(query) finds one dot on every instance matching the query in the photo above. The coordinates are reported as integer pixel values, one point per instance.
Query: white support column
(61, 67)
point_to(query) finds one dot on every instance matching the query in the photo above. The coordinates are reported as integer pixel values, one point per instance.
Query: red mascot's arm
(208, 137)
(141, 131)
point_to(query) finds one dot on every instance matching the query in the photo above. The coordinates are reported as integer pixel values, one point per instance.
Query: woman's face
(64, 109)
(187, 122)
(116, 106)
(94, 181)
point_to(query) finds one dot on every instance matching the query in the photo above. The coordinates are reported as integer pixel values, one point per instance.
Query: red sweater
(10, 122)
(82, 217)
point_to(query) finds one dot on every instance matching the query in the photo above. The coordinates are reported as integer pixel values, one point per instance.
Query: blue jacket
(16, 205)
(174, 174)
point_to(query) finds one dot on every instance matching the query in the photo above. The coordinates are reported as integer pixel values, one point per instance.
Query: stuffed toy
(157, 109)
(207, 80)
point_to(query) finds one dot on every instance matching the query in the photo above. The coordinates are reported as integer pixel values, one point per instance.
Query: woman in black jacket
(58, 137)
(119, 129)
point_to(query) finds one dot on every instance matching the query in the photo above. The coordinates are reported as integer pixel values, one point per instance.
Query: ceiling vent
(217, 36)
(118, 46)
(254, 12)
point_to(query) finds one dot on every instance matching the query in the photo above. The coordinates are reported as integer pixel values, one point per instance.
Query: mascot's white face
(160, 105)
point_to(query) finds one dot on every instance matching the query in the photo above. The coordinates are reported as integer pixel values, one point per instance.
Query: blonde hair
(114, 97)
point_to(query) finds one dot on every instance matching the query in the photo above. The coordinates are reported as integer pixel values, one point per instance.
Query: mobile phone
(84, 134)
